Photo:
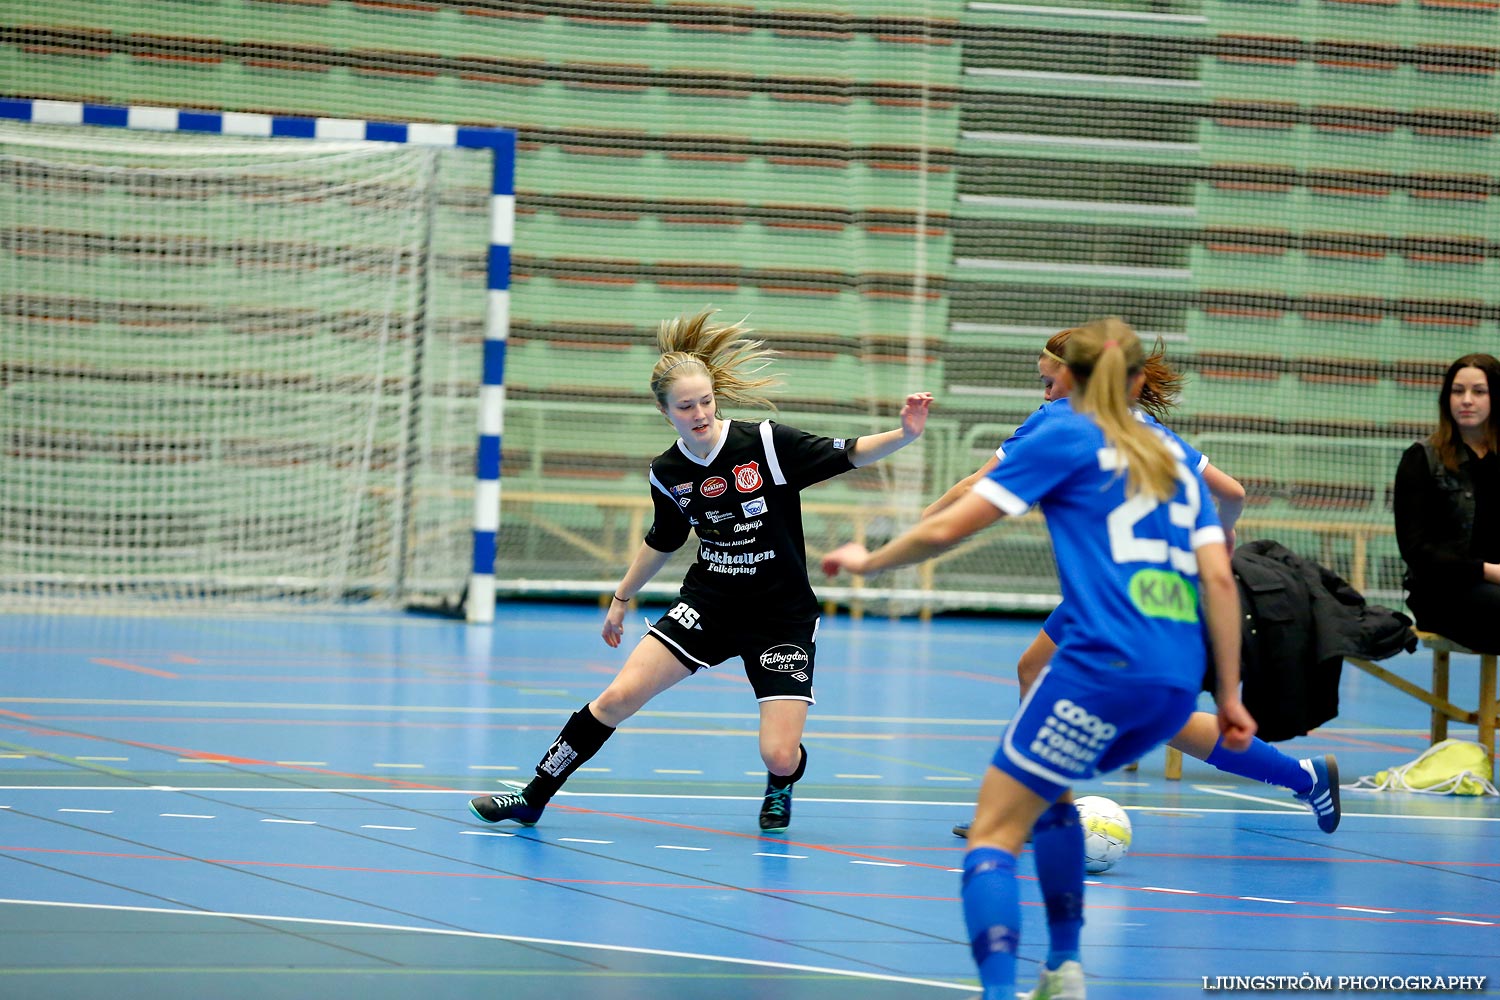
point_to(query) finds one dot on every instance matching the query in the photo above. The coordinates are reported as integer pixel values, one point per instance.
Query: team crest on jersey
(753, 508)
(680, 492)
(713, 487)
(747, 477)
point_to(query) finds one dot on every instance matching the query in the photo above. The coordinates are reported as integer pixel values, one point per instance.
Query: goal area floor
(276, 806)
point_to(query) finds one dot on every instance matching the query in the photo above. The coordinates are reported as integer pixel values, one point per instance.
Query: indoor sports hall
(326, 329)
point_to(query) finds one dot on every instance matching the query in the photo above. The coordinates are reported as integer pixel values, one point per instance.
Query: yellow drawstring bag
(1451, 767)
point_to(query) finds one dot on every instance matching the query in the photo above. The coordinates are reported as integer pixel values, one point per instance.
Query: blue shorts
(1070, 728)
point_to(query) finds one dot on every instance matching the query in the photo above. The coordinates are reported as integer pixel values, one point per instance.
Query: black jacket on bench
(1300, 621)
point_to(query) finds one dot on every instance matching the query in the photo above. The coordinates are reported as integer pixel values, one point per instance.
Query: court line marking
(488, 936)
(474, 710)
(1296, 808)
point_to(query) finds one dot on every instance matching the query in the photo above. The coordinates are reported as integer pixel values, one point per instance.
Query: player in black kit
(747, 594)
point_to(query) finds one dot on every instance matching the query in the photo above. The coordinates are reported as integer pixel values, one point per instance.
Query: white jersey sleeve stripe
(651, 474)
(1207, 536)
(774, 465)
(1001, 497)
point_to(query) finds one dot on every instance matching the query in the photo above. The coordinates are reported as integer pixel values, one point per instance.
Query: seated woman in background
(1447, 505)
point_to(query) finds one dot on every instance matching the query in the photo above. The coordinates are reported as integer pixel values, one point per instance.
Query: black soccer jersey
(743, 501)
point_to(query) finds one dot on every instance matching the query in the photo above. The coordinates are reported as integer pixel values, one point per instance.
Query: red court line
(122, 665)
(1411, 916)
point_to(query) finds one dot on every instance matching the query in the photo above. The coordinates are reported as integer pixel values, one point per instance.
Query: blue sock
(992, 911)
(1057, 842)
(1262, 762)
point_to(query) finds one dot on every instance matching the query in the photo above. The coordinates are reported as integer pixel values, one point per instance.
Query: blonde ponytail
(723, 352)
(1103, 356)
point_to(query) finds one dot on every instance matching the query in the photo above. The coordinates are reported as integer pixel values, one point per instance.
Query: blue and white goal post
(501, 143)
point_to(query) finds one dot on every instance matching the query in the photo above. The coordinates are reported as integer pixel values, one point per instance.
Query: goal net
(221, 373)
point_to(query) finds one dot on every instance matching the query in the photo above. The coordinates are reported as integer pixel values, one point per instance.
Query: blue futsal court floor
(269, 807)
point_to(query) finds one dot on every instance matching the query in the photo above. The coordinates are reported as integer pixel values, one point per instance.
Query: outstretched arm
(872, 448)
(1229, 497)
(961, 487)
(923, 540)
(1221, 604)
(646, 564)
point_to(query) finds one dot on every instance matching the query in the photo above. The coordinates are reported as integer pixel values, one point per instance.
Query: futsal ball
(1106, 832)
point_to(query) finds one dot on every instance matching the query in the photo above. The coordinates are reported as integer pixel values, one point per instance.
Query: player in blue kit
(1145, 571)
(1313, 781)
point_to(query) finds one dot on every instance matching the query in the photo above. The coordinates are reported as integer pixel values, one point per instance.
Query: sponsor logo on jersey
(713, 487)
(785, 659)
(838, 444)
(747, 477)
(715, 516)
(754, 508)
(748, 525)
(683, 494)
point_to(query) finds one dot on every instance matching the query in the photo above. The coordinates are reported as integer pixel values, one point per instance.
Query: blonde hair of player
(723, 351)
(1105, 357)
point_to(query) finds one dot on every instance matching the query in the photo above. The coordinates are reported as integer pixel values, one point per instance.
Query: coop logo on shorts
(680, 492)
(754, 508)
(785, 659)
(714, 487)
(747, 477)
(1082, 719)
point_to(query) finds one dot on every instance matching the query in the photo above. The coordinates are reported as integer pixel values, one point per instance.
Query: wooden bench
(1485, 713)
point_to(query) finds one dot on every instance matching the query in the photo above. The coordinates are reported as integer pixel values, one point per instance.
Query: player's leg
(781, 726)
(780, 669)
(1036, 656)
(1314, 780)
(651, 668)
(991, 896)
(1028, 667)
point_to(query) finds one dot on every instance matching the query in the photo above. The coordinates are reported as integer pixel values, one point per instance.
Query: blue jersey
(1195, 459)
(1128, 566)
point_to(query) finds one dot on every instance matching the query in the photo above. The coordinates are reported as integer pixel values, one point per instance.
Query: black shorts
(778, 661)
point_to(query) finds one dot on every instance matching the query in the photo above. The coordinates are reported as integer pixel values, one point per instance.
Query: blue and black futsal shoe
(511, 806)
(1323, 797)
(776, 810)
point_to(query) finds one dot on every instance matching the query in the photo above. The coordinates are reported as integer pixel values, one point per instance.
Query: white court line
(100, 812)
(184, 816)
(446, 932)
(581, 840)
(763, 854)
(376, 826)
(674, 847)
(1287, 808)
(1282, 804)
(292, 822)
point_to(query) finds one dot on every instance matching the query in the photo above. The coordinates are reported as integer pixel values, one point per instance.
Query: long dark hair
(1447, 440)
(1163, 382)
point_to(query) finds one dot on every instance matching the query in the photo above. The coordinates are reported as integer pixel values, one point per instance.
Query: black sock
(782, 780)
(579, 740)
